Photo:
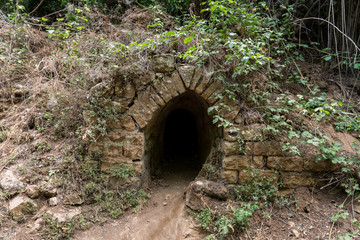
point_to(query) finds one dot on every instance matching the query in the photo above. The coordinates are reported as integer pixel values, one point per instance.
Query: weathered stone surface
(236, 162)
(156, 96)
(293, 164)
(232, 113)
(197, 76)
(135, 138)
(21, 205)
(296, 179)
(32, 191)
(161, 88)
(53, 201)
(231, 134)
(230, 176)
(73, 199)
(9, 182)
(112, 162)
(247, 133)
(113, 149)
(252, 132)
(245, 176)
(63, 214)
(49, 192)
(215, 96)
(174, 84)
(163, 63)
(258, 162)
(239, 119)
(133, 151)
(231, 148)
(199, 89)
(96, 148)
(210, 188)
(186, 73)
(102, 90)
(143, 112)
(127, 91)
(267, 148)
(322, 165)
(127, 123)
(215, 85)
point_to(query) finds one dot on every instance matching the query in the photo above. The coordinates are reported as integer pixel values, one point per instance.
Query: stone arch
(145, 101)
(180, 131)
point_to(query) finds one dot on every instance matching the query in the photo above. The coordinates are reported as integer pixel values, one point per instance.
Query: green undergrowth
(258, 193)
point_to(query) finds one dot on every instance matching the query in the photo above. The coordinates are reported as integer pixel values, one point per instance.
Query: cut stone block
(293, 164)
(186, 73)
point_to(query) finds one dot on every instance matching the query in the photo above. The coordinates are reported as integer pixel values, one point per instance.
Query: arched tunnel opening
(179, 138)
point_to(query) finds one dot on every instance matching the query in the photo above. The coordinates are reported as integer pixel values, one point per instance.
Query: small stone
(21, 205)
(62, 214)
(102, 89)
(32, 191)
(53, 201)
(10, 183)
(74, 199)
(49, 192)
(164, 203)
(296, 233)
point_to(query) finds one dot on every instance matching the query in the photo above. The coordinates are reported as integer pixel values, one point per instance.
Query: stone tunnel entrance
(179, 137)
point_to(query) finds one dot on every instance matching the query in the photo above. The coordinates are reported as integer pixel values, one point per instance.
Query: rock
(210, 188)
(102, 89)
(127, 123)
(230, 176)
(294, 164)
(74, 199)
(49, 192)
(267, 148)
(22, 205)
(128, 91)
(199, 192)
(63, 214)
(53, 201)
(35, 227)
(236, 162)
(163, 63)
(10, 183)
(295, 179)
(32, 191)
(186, 73)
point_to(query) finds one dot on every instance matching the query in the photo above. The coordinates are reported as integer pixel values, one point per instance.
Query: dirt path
(164, 216)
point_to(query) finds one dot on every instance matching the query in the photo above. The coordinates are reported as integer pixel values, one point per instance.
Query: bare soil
(163, 217)
(307, 215)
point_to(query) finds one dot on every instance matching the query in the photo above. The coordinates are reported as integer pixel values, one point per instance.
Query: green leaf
(327, 58)
(188, 39)
(357, 66)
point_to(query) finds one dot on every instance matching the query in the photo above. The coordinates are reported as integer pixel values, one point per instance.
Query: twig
(3, 167)
(324, 20)
(36, 7)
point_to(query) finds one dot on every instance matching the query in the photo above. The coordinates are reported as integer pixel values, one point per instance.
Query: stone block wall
(142, 96)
